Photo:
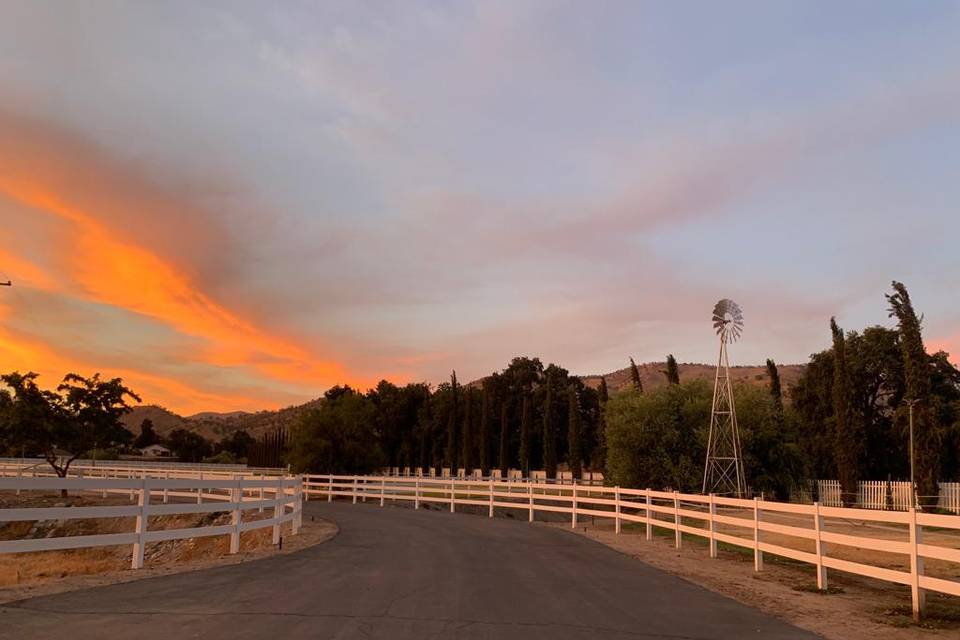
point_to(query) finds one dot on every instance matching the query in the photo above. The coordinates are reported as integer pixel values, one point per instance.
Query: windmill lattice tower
(723, 472)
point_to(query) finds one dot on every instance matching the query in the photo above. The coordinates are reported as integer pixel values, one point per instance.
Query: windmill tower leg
(723, 471)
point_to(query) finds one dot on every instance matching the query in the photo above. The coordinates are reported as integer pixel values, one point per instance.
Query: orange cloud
(25, 272)
(103, 256)
(23, 354)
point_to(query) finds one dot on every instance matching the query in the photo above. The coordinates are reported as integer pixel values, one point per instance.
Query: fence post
(453, 495)
(237, 495)
(277, 509)
(354, 489)
(166, 476)
(678, 539)
(530, 495)
(20, 477)
(616, 499)
(918, 596)
(713, 526)
(130, 476)
(297, 521)
(757, 553)
(383, 489)
(143, 517)
(260, 510)
(330, 489)
(200, 489)
(103, 494)
(647, 517)
(491, 498)
(821, 548)
(416, 494)
(573, 515)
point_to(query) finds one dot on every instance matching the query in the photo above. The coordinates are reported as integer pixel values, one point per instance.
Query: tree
(928, 433)
(338, 437)
(775, 391)
(237, 444)
(635, 376)
(525, 437)
(504, 454)
(484, 436)
(549, 433)
(847, 442)
(147, 435)
(95, 408)
(188, 446)
(82, 414)
(450, 459)
(467, 433)
(672, 372)
(658, 439)
(573, 435)
(600, 456)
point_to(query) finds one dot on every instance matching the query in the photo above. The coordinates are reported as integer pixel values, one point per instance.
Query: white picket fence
(949, 499)
(515, 475)
(156, 492)
(689, 514)
(875, 494)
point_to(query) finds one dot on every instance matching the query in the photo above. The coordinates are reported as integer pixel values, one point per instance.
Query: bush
(659, 439)
(224, 457)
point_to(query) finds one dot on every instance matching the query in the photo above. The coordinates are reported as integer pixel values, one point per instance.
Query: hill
(652, 376)
(215, 426)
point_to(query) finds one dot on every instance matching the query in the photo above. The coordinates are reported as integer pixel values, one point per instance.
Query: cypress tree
(485, 433)
(600, 458)
(549, 436)
(635, 376)
(573, 435)
(504, 456)
(846, 445)
(466, 436)
(450, 459)
(672, 372)
(775, 389)
(927, 433)
(525, 436)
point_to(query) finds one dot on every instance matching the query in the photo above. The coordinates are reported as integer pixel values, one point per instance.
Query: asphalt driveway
(398, 573)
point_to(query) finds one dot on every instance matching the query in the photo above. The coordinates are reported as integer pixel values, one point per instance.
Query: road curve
(398, 573)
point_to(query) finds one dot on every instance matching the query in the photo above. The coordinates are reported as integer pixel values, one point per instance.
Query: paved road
(397, 573)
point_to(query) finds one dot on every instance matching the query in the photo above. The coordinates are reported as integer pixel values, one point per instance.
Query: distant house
(156, 451)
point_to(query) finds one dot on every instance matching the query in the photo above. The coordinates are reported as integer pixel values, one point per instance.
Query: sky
(236, 205)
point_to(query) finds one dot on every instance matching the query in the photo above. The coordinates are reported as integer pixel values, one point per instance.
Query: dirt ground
(25, 575)
(854, 608)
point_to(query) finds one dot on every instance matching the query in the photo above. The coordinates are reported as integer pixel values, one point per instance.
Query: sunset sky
(235, 205)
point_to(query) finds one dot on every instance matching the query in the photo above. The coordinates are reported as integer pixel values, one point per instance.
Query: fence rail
(749, 524)
(156, 492)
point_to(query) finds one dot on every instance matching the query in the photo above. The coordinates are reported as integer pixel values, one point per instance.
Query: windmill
(723, 472)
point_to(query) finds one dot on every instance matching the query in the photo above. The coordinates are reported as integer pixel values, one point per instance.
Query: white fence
(516, 475)
(806, 526)
(876, 494)
(145, 464)
(152, 490)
